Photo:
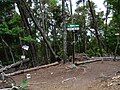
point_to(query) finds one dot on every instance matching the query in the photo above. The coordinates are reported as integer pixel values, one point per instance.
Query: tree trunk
(70, 7)
(45, 32)
(6, 54)
(64, 32)
(106, 21)
(84, 28)
(95, 27)
(116, 48)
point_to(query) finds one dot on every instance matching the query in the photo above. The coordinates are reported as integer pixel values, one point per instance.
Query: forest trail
(62, 77)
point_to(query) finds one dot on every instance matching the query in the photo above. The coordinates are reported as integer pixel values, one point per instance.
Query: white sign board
(23, 57)
(25, 47)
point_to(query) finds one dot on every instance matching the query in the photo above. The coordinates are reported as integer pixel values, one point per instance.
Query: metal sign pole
(73, 47)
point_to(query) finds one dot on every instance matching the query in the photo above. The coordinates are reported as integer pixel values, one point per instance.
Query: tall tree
(64, 31)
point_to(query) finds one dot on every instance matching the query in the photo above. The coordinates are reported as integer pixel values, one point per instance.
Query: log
(88, 61)
(107, 58)
(14, 65)
(6, 89)
(32, 69)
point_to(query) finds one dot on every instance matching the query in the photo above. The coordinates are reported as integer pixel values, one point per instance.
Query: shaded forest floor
(92, 76)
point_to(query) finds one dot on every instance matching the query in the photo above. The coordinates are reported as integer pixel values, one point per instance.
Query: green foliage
(53, 3)
(24, 85)
(57, 15)
(91, 53)
(16, 20)
(12, 27)
(95, 52)
(4, 29)
(28, 39)
(16, 30)
(61, 53)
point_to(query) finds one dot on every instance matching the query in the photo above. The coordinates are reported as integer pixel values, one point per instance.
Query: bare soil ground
(92, 76)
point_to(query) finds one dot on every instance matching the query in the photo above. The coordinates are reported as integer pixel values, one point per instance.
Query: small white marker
(28, 76)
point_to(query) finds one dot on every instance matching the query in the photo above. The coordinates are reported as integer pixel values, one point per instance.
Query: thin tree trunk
(47, 50)
(54, 37)
(106, 21)
(70, 7)
(116, 48)
(6, 55)
(85, 32)
(44, 29)
(23, 53)
(64, 32)
(95, 27)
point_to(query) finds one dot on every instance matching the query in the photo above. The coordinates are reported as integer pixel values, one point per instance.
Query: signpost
(73, 27)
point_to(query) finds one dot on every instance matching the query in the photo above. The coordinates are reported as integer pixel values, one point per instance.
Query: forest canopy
(42, 25)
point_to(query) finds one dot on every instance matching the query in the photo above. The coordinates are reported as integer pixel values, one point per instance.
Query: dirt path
(62, 77)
